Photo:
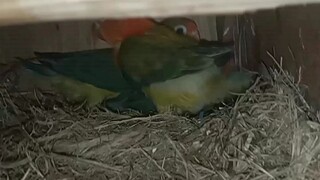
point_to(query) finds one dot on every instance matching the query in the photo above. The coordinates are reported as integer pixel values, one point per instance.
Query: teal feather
(96, 67)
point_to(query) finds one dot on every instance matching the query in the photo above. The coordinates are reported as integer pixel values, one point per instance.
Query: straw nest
(269, 133)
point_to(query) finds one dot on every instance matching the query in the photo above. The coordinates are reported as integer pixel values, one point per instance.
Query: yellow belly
(73, 90)
(188, 93)
(77, 91)
(179, 102)
(192, 92)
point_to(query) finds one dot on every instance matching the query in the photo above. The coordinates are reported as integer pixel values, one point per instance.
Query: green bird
(163, 54)
(178, 72)
(93, 75)
(88, 75)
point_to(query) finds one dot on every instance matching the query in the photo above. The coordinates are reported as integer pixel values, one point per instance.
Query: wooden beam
(32, 11)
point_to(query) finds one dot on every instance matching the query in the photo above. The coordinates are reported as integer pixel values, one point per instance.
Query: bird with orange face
(93, 75)
(177, 71)
(115, 31)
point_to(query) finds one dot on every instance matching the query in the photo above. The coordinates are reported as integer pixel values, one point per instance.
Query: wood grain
(31, 11)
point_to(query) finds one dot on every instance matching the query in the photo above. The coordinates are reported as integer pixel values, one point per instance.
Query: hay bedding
(267, 134)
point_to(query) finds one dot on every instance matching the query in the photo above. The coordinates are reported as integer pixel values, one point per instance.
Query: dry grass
(269, 133)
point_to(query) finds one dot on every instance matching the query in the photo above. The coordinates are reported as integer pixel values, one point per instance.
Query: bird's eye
(180, 29)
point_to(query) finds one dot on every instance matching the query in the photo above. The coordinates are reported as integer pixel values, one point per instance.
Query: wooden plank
(31, 11)
(23, 40)
(292, 35)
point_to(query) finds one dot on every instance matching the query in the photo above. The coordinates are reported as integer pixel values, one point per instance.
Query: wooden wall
(35, 11)
(292, 34)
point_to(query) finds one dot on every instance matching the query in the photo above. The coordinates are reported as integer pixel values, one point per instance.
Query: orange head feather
(115, 31)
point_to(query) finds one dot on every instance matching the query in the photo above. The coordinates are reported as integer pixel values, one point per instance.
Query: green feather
(92, 76)
(96, 67)
(238, 81)
(163, 54)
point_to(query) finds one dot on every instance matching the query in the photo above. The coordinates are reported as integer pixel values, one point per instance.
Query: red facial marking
(193, 30)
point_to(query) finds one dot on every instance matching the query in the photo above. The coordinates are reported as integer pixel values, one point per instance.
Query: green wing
(163, 54)
(95, 67)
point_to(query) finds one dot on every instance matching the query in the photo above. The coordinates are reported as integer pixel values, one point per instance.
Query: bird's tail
(220, 52)
(43, 61)
(38, 66)
(239, 81)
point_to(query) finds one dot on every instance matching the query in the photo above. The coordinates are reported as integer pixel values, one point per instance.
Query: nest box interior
(264, 135)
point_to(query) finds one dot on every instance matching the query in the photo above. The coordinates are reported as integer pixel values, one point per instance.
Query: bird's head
(114, 31)
(184, 26)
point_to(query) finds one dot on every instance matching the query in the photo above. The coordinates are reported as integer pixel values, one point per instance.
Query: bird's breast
(185, 93)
